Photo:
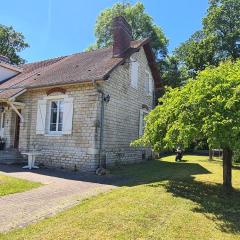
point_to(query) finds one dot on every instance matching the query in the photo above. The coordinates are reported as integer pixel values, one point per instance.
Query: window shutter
(134, 74)
(41, 116)
(67, 115)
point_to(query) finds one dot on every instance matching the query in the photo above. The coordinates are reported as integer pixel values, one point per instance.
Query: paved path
(62, 190)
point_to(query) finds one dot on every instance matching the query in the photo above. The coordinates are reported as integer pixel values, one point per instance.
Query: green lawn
(163, 200)
(9, 185)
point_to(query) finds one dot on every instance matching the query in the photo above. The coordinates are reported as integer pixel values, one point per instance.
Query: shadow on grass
(210, 198)
(155, 171)
(211, 201)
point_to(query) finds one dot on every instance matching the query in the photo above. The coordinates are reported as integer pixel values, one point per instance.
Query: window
(148, 83)
(2, 120)
(56, 116)
(2, 123)
(142, 123)
(134, 73)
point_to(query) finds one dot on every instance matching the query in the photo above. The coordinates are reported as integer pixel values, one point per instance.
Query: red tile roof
(76, 68)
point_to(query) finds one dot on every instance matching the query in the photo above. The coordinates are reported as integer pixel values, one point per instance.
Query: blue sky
(60, 27)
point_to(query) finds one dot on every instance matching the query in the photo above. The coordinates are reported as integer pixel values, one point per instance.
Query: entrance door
(17, 131)
(2, 123)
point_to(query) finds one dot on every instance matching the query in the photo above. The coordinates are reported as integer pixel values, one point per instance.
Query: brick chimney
(122, 36)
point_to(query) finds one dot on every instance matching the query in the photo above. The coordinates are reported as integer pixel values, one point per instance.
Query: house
(82, 110)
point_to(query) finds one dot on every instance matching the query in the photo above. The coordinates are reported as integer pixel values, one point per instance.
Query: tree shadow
(124, 175)
(155, 171)
(211, 201)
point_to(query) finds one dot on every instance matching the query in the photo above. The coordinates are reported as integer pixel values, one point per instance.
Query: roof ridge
(36, 71)
(75, 68)
(78, 53)
(42, 61)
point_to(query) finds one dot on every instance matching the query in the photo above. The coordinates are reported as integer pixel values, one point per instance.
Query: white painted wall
(6, 73)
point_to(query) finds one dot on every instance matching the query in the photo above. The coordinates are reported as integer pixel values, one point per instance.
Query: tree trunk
(227, 169)
(210, 155)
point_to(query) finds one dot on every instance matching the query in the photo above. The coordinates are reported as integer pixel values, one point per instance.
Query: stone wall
(74, 151)
(121, 124)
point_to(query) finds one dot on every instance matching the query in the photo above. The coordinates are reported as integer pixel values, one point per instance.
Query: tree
(208, 108)
(171, 72)
(198, 52)
(11, 43)
(223, 23)
(142, 27)
(217, 39)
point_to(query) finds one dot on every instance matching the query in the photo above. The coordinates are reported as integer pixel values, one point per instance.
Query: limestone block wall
(121, 124)
(74, 151)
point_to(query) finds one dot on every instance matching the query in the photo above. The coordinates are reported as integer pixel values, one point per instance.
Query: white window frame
(134, 76)
(142, 114)
(149, 81)
(57, 132)
(2, 124)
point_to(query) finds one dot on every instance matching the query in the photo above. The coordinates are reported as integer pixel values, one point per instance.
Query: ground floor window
(2, 120)
(2, 124)
(56, 116)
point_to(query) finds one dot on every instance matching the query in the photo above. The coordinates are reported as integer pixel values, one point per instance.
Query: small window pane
(60, 127)
(54, 105)
(53, 116)
(53, 127)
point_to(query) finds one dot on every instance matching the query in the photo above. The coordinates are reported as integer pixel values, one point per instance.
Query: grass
(162, 200)
(9, 185)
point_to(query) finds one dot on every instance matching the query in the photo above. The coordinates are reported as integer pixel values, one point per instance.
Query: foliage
(236, 156)
(223, 23)
(11, 43)
(171, 72)
(217, 39)
(198, 52)
(166, 200)
(205, 108)
(142, 26)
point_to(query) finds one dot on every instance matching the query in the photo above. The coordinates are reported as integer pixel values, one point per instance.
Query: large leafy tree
(142, 27)
(171, 71)
(198, 52)
(208, 108)
(217, 39)
(11, 43)
(223, 24)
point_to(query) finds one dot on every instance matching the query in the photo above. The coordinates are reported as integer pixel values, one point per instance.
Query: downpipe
(105, 98)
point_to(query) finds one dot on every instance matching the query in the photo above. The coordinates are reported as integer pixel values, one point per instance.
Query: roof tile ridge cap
(46, 60)
(11, 65)
(35, 72)
(94, 50)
